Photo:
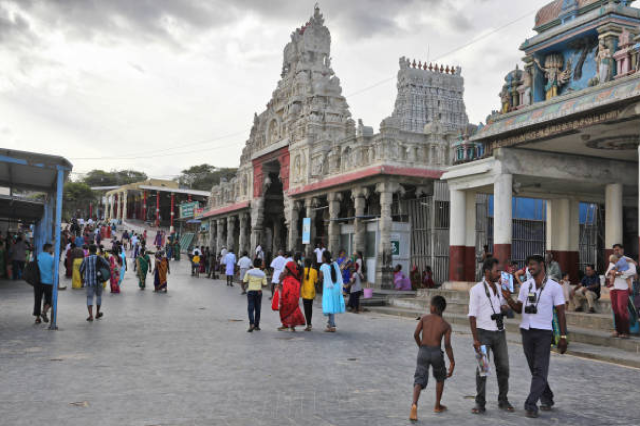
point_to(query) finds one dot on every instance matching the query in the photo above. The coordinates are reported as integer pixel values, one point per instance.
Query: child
(566, 288)
(195, 267)
(620, 265)
(433, 329)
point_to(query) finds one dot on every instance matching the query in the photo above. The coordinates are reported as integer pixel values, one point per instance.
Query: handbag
(275, 302)
(103, 270)
(31, 273)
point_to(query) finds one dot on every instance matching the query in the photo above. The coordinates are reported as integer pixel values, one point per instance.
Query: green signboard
(187, 210)
(395, 248)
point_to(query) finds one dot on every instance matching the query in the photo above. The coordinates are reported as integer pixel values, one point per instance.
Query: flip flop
(90, 319)
(440, 409)
(100, 315)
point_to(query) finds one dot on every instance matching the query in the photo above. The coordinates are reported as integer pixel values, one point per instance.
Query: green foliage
(77, 196)
(204, 176)
(112, 178)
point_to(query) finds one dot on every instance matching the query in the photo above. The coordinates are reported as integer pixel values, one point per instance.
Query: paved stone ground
(185, 359)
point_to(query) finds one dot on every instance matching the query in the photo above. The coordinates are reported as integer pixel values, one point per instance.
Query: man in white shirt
(486, 307)
(223, 252)
(277, 265)
(620, 291)
(244, 264)
(318, 251)
(538, 296)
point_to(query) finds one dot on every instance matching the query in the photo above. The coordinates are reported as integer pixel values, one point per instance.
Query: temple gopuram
(566, 132)
(307, 158)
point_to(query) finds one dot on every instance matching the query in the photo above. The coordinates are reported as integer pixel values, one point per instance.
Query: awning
(25, 210)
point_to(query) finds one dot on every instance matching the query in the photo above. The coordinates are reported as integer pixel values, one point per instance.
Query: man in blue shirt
(588, 289)
(45, 286)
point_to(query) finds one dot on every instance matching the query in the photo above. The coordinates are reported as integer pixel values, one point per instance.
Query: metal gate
(529, 237)
(429, 220)
(591, 238)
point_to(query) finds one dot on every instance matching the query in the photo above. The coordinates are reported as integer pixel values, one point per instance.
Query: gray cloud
(14, 29)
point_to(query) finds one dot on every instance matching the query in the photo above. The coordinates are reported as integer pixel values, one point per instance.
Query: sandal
(90, 319)
(45, 318)
(506, 406)
(283, 328)
(38, 320)
(308, 328)
(478, 409)
(100, 315)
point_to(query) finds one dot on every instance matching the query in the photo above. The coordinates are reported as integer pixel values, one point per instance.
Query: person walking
(115, 270)
(308, 290)
(538, 296)
(19, 256)
(244, 264)
(161, 271)
(123, 265)
(355, 285)
(255, 279)
(89, 271)
(487, 308)
(142, 268)
(230, 266)
(277, 265)
(45, 285)
(332, 299)
(77, 256)
(290, 314)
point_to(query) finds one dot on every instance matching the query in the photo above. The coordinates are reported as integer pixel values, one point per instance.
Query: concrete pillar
(470, 237)
(457, 234)
(360, 196)
(309, 205)
(502, 218)
(292, 216)
(563, 233)
(384, 261)
(220, 237)
(213, 234)
(125, 207)
(243, 244)
(613, 224)
(231, 229)
(334, 199)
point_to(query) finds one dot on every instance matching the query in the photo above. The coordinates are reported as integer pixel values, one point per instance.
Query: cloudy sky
(159, 85)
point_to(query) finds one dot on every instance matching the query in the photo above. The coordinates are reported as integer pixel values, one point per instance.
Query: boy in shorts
(433, 329)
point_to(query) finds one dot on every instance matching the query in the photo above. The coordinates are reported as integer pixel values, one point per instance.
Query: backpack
(103, 269)
(31, 273)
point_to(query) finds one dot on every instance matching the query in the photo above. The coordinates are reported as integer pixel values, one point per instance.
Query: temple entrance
(275, 230)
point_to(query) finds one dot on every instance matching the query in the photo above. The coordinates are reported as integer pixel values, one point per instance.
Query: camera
(531, 309)
(499, 321)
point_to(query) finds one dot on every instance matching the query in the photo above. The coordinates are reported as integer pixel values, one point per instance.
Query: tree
(98, 177)
(77, 196)
(204, 176)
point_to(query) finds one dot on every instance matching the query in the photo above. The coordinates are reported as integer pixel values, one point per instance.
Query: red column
(144, 205)
(457, 263)
(90, 210)
(470, 264)
(157, 208)
(172, 213)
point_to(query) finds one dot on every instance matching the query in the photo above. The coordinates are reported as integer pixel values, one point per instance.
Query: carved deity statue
(604, 59)
(554, 74)
(527, 83)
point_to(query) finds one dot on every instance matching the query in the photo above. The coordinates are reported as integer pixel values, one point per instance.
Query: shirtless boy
(433, 329)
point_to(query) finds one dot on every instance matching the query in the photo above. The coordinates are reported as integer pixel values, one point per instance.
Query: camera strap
(538, 295)
(486, 291)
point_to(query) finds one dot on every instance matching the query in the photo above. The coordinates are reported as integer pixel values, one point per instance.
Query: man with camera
(538, 296)
(487, 307)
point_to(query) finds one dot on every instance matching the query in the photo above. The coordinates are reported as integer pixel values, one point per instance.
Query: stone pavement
(185, 358)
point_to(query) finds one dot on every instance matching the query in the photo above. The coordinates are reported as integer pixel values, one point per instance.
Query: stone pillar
(109, 213)
(231, 229)
(384, 261)
(360, 196)
(309, 205)
(457, 234)
(220, 239)
(243, 244)
(470, 237)
(293, 232)
(563, 233)
(334, 199)
(125, 206)
(257, 223)
(502, 218)
(613, 218)
(213, 234)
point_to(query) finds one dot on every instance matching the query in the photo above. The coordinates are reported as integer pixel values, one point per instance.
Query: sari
(142, 268)
(76, 282)
(290, 313)
(123, 266)
(162, 268)
(115, 273)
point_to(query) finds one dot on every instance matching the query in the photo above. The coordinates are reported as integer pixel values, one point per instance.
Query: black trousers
(254, 304)
(496, 341)
(308, 310)
(40, 290)
(537, 349)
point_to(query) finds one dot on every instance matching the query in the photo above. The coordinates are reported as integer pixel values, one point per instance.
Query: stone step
(576, 334)
(599, 321)
(604, 305)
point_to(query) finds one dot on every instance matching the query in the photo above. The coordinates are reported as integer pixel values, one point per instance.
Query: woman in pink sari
(290, 313)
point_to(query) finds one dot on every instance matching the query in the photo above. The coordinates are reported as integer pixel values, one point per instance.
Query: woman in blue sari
(345, 265)
(123, 267)
(332, 299)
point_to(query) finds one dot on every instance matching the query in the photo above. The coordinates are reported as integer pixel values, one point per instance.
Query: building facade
(567, 132)
(306, 157)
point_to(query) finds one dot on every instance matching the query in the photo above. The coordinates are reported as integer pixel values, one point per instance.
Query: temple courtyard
(185, 358)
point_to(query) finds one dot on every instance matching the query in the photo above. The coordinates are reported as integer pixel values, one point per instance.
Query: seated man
(588, 289)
